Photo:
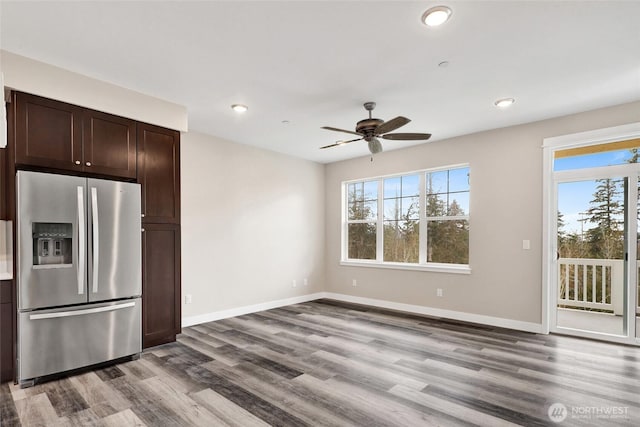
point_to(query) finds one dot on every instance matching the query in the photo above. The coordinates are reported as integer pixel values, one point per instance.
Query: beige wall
(27, 75)
(252, 222)
(506, 208)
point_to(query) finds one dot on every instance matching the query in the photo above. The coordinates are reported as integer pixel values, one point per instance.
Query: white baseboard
(247, 309)
(408, 308)
(438, 312)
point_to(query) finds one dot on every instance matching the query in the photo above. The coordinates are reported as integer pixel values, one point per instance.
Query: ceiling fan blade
(340, 143)
(407, 136)
(392, 124)
(341, 130)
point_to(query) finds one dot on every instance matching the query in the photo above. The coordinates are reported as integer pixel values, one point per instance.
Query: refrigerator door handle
(81, 240)
(96, 236)
(81, 312)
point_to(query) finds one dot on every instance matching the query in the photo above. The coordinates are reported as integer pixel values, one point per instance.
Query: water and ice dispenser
(52, 243)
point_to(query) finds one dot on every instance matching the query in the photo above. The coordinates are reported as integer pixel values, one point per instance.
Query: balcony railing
(591, 284)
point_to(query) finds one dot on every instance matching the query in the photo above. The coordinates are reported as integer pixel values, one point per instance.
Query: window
(418, 220)
(401, 218)
(447, 215)
(362, 216)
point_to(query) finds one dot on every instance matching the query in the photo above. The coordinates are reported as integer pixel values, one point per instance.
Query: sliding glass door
(592, 252)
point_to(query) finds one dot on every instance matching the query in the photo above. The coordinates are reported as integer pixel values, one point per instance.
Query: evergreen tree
(401, 233)
(561, 224)
(635, 158)
(362, 236)
(448, 240)
(606, 213)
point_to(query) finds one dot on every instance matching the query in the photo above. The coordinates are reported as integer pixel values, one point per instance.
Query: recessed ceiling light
(443, 64)
(239, 108)
(504, 102)
(435, 16)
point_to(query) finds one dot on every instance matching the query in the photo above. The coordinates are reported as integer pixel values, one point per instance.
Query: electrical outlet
(439, 292)
(188, 299)
(294, 284)
(354, 283)
(306, 282)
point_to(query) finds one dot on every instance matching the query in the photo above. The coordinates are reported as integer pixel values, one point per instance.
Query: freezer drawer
(52, 341)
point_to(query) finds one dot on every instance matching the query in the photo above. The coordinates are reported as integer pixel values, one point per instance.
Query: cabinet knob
(88, 163)
(142, 215)
(143, 230)
(77, 162)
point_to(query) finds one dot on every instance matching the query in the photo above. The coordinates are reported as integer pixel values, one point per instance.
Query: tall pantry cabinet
(159, 174)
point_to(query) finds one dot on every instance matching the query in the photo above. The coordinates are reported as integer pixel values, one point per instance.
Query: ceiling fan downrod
(369, 106)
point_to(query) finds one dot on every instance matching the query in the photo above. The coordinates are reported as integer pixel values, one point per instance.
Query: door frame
(549, 220)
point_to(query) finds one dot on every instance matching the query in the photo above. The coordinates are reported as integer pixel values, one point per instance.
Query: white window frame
(422, 264)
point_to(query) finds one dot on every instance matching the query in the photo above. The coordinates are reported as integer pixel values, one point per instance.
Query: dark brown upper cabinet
(48, 133)
(109, 144)
(57, 135)
(159, 173)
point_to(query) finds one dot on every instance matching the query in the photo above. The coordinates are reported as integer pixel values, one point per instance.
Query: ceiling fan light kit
(370, 129)
(436, 16)
(375, 146)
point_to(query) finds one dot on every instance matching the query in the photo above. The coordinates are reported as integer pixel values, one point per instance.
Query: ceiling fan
(371, 129)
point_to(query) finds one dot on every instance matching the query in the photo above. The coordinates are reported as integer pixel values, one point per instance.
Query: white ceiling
(315, 63)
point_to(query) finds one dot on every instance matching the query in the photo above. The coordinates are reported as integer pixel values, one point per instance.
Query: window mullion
(422, 223)
(345, 223)
(380, 223)
(448, 218)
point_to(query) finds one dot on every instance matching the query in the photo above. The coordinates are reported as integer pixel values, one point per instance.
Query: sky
(607, 158)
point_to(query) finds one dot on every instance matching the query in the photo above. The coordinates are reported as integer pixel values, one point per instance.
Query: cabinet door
(109, 144)
(48, 133)
(159, 173)
(6, 335)
(160, 284)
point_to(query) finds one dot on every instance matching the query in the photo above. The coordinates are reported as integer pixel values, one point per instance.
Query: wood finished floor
(335, 364)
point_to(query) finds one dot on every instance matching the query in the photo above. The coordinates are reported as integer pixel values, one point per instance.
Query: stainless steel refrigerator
(79, 272)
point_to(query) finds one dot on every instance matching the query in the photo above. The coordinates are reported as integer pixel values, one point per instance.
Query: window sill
(435, 268)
